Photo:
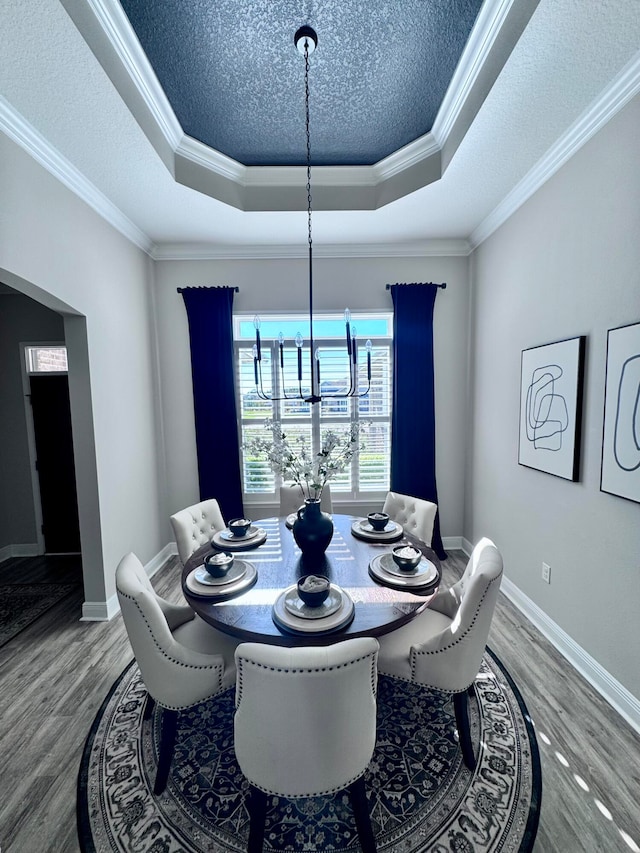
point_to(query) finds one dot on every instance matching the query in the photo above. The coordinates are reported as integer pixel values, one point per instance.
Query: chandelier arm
(259, 388)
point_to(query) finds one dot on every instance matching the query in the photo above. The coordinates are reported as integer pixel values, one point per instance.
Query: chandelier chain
(307, 123)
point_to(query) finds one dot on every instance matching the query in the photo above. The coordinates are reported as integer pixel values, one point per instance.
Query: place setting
(405, 567)
(221, 576)
(377, 527)
(313, 605)
(239, 535)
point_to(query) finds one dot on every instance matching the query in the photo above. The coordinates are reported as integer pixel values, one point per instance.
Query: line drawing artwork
(547, 416)
(626, 433)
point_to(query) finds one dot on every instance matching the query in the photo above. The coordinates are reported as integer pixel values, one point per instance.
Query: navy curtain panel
(413, 427)
(210, 316)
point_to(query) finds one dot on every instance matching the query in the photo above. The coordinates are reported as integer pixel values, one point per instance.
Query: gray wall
(21, 320)
(565, 264)
(281, 285)
(54, 248)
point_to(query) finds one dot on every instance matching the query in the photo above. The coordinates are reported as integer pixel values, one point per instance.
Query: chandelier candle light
(306, 42)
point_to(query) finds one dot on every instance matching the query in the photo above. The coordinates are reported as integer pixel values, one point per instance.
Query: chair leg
(257, 814)
(361, 813)
(461, 708)
(148, 707)
(167, 741)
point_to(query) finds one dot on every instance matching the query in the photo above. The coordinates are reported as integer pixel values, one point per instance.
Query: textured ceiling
(53, 84)
(236, 81)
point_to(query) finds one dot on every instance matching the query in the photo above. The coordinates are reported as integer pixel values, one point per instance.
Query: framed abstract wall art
(551, 407)
(621, 432)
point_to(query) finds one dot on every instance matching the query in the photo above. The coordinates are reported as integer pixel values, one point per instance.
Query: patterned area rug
(22, 604)
(422, 797)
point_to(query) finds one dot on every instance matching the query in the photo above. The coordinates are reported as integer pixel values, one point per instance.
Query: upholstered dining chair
(443, 646)
(292, 498)
(182, 660)
(305, 725)
(195, 525)
(416, 515)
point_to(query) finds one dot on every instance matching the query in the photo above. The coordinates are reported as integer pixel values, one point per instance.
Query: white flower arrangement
(293, 462)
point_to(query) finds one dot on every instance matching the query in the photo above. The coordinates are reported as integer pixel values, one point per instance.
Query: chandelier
(306, 42)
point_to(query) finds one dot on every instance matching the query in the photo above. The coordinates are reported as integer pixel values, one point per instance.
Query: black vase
(312, 529)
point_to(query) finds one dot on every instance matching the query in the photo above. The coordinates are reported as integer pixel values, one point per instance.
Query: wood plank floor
(56, 673)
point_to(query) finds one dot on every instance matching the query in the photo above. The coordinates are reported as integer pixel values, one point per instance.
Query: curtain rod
(235, 289)
(443, 285)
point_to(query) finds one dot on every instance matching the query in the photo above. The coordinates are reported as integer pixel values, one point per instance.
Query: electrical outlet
(546, 573)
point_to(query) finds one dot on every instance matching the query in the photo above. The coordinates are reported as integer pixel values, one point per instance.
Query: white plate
(231, 537)
(299, 625)
(295, 605)
(384, 568)
(237, 571)
(228, 590)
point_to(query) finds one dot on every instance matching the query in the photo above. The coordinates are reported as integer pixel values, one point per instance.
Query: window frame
(353, 496)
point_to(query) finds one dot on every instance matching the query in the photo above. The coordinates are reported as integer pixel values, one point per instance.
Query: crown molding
(623, 88)
(485, 31)
(202, 155)
(204, 252)
(406, 157)
(28, 138)
(124, 41)
(256, 187)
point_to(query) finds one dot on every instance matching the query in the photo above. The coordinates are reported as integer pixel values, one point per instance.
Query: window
(46, 359)
(368, 475)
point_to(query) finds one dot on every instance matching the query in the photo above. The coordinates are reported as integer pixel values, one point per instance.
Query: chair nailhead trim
(414, 653)
(208, 667)
(298, 796)
(302, 671)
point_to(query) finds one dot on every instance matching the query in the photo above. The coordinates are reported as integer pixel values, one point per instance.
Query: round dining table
(248, 615)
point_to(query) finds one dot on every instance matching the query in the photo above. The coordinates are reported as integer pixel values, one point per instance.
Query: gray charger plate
(425, 574)
(226, 591)
(298, 625)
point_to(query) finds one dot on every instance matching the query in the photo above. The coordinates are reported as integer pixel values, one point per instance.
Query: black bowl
(216, 565)
(314, 596)
(378, 520)
(239, 526)
(406, 561)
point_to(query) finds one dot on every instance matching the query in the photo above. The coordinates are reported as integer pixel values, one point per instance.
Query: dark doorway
(55, 464)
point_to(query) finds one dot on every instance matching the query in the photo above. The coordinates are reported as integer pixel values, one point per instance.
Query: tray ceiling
(534, 82)
(235, 80)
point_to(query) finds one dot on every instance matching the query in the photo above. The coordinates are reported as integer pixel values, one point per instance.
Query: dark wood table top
(378, 609)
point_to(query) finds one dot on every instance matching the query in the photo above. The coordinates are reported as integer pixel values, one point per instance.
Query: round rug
(421, 795)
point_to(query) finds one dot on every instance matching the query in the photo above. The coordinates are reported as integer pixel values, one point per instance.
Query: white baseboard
(156, 563)
(466, 546)
(8, 551)
(104, 611)
(100, 611)
(624, 702)
(620, 699)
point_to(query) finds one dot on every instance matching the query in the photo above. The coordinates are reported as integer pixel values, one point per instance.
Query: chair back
(305, 720)
(292, 498)
(175, 676)
(195, 525)
(451, 660)
(417, 516)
